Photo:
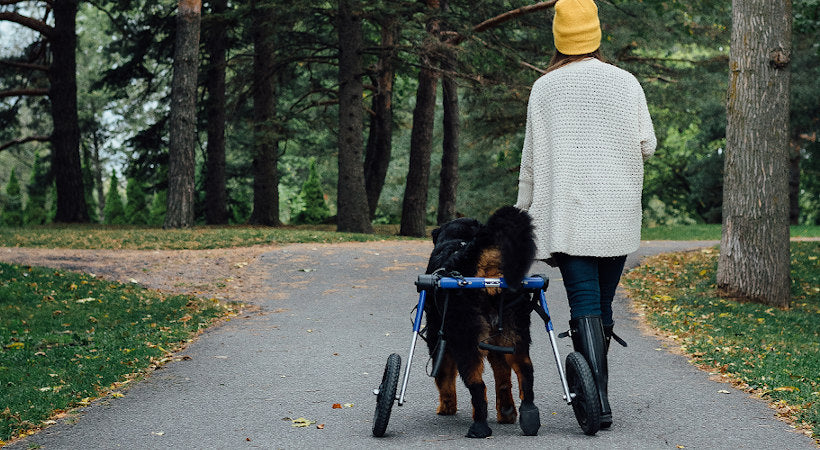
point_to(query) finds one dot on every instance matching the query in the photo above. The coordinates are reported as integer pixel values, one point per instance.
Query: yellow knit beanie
(576, 29)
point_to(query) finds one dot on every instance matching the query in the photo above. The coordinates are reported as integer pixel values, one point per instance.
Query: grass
(66, 338)
(769, 351)
(196, 238)
(209, 237)
(711, 232)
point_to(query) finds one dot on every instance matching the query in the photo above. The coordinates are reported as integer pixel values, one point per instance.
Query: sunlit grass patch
(767, 350)
(196, 238)
(66, 338)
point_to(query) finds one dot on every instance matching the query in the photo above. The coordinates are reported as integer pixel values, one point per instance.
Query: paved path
(333, 316)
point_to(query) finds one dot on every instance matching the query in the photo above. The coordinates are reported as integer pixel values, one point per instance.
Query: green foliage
(136, 208)
(114, 211)
(88, 185)
(766, 350)
(35, 212)
(13, 209)
(158, 207)
(315, 209)
(66, 338)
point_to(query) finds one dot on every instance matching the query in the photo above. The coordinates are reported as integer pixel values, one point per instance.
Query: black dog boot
(588, 339)
(479, 429)
(529, 419)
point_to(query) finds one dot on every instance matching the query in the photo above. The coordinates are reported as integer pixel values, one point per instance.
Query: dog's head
(463, 229)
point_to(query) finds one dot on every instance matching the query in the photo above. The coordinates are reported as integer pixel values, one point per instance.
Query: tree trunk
(353, 213)
(414, 206)
(380, 139)
(794, 187)
(265, 135)
(98, 181)
(754, 248)
(65, 140)
(182, 123)
(216, 196)
(448, 182)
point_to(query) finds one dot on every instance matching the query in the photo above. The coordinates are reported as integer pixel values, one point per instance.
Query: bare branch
(530, 66)
(23, 141)
(501, 18)
(23, 92)
(34, 24)
(23, 65)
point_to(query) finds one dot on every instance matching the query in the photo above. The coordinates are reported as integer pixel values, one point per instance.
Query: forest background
(679, 51)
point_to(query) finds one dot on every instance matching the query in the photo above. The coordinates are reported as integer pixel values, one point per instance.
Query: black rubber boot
(588, 339)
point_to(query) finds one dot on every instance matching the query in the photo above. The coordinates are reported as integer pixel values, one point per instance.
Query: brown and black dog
(505, 246)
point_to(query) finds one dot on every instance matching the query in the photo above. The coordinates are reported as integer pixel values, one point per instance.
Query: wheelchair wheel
(585, 404)
(387, 394)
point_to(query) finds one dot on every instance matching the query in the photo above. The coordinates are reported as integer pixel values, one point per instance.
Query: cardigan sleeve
(525, 172)
(647, 131)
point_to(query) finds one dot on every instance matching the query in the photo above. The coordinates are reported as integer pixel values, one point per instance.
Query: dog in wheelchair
(479, 324)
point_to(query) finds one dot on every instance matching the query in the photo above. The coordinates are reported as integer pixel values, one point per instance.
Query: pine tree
(88, 183)
(136, 208)
(13, 210)
(316, 210)
(114, 211)
(158, 208)
(36, 210)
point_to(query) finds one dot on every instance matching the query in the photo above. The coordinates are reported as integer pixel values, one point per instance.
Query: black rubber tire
(585, 404)
(387, 394)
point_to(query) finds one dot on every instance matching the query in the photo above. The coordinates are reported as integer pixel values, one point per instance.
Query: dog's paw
(530, 420)
(446, 409)
(479, 430)
(507, 415)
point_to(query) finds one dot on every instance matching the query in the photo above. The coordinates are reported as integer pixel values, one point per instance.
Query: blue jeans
(590, 282)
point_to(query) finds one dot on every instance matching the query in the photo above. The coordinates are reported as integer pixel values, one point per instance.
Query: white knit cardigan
(588, 134)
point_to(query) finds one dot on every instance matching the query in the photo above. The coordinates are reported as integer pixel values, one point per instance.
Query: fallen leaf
(321, 426)
(158, 433)
(302, 422)
(723, 391)
(337, 406)
(787, 388)
(348, 405)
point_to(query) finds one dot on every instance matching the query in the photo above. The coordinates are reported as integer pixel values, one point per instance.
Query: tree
(13, 209)
(114, 210)
(353, 213)
(37, 189)
(158, 205)
(181, 162)
(380, 139)
(216, 195)
(316, 210)
(61, 39)
(414, 206)
(754, 247)
(265, 133)
(448, 184)
(136, 206)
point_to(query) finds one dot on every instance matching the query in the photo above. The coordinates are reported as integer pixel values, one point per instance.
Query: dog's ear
(435, 234)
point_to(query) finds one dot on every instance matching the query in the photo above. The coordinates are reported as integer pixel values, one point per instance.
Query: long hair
(560, 60)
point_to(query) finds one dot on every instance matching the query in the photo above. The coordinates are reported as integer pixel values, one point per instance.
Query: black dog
(505, 246)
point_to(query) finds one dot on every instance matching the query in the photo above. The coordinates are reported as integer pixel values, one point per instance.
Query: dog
(503, 247)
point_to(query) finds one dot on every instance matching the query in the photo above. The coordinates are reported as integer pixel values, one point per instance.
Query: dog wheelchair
(578, 384)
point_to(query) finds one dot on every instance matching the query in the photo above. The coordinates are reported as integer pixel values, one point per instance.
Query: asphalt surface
(333, 316)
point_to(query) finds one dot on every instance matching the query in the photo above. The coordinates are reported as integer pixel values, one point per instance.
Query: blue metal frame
(537, 283)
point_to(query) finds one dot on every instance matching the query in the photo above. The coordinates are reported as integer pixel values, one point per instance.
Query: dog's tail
(511, 229)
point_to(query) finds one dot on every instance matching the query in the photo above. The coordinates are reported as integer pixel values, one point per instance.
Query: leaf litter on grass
(768, 351)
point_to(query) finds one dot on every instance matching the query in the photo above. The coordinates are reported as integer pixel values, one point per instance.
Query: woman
(588, 133)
